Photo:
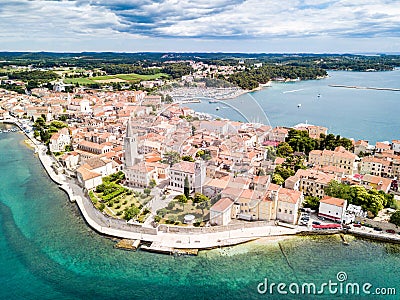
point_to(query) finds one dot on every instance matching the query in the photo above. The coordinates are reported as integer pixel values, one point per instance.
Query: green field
(80, 80)
(133, 78)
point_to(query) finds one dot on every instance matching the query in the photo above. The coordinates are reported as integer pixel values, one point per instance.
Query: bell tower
(131, 155)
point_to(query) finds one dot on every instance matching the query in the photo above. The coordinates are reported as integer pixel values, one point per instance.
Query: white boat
(299, 105)
(217, 108)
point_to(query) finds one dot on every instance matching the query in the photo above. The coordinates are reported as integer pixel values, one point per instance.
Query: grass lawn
(133, 78)
(116, 206)
(79, 80)
(177, 214)
(138, 77)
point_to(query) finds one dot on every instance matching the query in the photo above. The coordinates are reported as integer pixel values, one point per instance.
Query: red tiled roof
(222, 205)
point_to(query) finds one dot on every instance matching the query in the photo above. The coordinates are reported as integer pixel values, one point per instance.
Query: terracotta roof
(87, 174)
(218, 183)
(222, 205)
(290, 196)
(333, 201)
(184, 166)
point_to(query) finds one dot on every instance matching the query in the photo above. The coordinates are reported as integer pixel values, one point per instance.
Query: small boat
(217, 108)
(212, 101)
(299, 105)
(319, 95)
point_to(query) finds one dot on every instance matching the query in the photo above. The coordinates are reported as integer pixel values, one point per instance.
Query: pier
(127, 244)
(364, 87)
(159, 248)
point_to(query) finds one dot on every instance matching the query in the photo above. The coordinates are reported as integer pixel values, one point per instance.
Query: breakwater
(364, 87)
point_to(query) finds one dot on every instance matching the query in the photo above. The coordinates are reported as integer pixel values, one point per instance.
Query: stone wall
(383, 225)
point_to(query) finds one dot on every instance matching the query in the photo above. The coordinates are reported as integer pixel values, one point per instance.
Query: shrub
(162, 212)
(125, 202)
(172, 219)
(171, 205)
(102, 207)
(157, 219)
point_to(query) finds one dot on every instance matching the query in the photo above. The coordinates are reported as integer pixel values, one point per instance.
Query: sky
(256, 26)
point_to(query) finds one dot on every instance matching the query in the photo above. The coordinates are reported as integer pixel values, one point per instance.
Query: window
(279, 210)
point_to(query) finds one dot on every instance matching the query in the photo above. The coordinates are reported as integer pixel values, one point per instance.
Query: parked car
(316, 223)
(377, 229)
(321, 218)
(390, 231)
(356, 225)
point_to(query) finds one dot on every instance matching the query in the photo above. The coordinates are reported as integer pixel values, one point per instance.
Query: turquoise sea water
(355, 113)
(48, 252)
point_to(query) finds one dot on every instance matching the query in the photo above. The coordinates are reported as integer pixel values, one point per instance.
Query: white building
(221, 212)
(332, 208)
(288, 205)
(396, 146)
(59, 140)
(195, 172)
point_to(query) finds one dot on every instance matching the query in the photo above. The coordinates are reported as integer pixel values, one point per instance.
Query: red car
(356, 225)
(390, 231)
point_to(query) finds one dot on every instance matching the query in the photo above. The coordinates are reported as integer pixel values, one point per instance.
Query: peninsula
(141, 166)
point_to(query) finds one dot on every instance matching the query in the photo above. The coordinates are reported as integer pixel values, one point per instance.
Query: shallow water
(48, 252)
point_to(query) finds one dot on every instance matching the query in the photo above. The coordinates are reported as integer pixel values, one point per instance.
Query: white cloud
(74, 20)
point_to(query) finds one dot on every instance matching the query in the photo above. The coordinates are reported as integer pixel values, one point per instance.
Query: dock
(158, 248)
(127, 244)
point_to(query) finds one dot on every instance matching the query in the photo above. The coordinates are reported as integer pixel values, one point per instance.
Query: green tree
(152, 183)
(186, 187)
(395, 218)
(171, 157)
(203, 205)
(199, 197)
(168, 99)
(277, 179)
(131, 212)
(187, 158)
(311, 202)
(283, 171)
(284, 150)
(182, 199)
(39, 123)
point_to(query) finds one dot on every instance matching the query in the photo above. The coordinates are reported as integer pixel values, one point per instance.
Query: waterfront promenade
(212, 236)
(170, 236)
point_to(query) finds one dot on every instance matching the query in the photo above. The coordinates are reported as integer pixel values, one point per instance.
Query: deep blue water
(354, 113)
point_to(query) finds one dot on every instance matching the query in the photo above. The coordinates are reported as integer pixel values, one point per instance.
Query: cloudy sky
(321, 26)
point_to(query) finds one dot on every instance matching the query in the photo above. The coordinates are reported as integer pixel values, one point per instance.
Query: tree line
(251, 77)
